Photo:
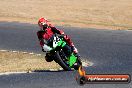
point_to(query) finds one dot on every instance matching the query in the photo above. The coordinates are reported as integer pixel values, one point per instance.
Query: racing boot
(48, 57)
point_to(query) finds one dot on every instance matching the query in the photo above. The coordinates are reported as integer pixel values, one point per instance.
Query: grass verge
(18, 61)
(113, 14)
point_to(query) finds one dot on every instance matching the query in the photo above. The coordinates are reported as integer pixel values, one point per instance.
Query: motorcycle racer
(45, 33)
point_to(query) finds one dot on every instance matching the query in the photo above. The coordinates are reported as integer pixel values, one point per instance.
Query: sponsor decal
(83, 78)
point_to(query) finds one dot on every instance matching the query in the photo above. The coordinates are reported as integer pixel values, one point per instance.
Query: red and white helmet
(43, 23)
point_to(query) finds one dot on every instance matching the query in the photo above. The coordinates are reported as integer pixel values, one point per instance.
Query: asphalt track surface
(109, 50)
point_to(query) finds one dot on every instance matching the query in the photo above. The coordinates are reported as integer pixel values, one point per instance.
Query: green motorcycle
(55, 51)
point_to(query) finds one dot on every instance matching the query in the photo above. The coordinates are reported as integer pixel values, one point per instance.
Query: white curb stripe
(14, 51)
(128, 30)
(38, 54)
(24, 52)
(53, 69)
(3, 50)
(31, 53)
(9, 73)
(60, 68)
(21, 52)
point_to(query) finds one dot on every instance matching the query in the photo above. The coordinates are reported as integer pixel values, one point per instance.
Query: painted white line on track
(14, 51)
(3, 50)
(129, 30)
(24, 52)
(9, 73)
(53, 69)
(60, 68)
(31, 53)
(38, 54)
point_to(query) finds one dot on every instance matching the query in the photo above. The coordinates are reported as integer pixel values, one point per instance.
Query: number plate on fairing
(56, 41)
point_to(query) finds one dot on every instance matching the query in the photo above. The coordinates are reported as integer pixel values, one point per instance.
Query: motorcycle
(54, 49)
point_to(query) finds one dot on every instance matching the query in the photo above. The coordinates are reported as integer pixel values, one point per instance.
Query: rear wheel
(61, 62)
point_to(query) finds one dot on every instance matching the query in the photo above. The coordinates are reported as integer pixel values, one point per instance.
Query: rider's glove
(43, 50)
(74, 49)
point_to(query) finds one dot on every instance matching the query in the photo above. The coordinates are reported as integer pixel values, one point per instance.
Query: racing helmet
(42, 23)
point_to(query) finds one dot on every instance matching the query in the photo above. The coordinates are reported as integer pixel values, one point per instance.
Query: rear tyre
(61, 62)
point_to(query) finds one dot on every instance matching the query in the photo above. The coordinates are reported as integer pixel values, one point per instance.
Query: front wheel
(61, 62)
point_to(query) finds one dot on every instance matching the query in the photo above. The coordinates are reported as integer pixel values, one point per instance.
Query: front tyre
(61, 62)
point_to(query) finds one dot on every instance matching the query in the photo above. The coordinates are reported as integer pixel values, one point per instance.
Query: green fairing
(64, 43)
(72, 59)
(60, 42)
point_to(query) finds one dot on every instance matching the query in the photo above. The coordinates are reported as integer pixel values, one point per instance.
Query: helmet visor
(44, 26)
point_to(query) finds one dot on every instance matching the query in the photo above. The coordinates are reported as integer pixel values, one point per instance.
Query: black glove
(62, 36)
(43, 50)
(72, 48)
